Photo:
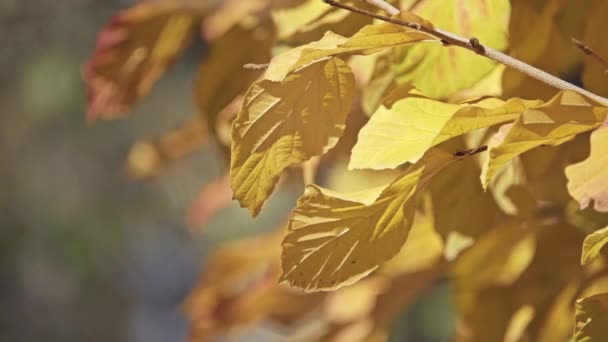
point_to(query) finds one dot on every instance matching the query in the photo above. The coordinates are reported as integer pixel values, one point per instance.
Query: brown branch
(589, 52)
(472, 44)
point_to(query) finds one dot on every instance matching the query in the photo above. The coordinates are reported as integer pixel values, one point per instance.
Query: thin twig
(471, 152)
(589, 51)
(472, 44)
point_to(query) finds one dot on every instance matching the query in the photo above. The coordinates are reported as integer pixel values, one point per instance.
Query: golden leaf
(587, 180)
(412, 125)
(440, 71)
(287, 123)
(370, 39)
(336, 239)
(552, 123)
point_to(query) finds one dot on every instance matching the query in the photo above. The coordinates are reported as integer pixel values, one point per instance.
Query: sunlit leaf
(133, 51)
(290, 20)
(414, 124)
(286, 123)
(553, 123)
(593, 245)
(370, 39)
(591, 319)
(588, 180)
(336, 239)
(440, 71)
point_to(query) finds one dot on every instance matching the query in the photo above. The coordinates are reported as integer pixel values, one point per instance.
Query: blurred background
(87, 253)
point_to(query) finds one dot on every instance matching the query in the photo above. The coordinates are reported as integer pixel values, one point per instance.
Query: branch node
(477, 47)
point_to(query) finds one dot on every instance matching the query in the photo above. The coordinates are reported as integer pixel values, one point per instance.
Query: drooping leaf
(593, 244)
(497, 257)
(336, 239)
(133, 51)
(370, 39)
(588, 180)
(591, 319)
(472, 217)
(221, 77)
(414, 124)
(381, 82)
(552, 123)
(486, 312)
(286, 123)
(440, 71)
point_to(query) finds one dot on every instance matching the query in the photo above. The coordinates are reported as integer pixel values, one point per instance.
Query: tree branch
(589, 52)
(472, 44)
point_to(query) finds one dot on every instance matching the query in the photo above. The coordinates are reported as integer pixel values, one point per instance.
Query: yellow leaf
(133, 51)
(440, 71)
(380, 84)
(498, 257)
(421, 250)
(593, 244)
(370, 39)
(558, 324)
(519, 322)
(334, 240)
(552, 123)
(591, 319)
(471, 218)
(414, 124)
(587, 180)
(287, 123)
(290, 20)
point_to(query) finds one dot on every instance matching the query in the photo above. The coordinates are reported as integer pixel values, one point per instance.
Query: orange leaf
(133, 51)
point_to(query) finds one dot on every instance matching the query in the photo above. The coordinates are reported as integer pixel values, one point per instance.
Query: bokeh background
(87, 253)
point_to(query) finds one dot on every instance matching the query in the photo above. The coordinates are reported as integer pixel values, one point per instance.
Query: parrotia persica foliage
(437, 161)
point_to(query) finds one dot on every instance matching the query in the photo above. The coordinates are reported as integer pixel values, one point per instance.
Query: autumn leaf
(292, 19)
(440, 71)
(552, 123)
(286, 123)
(593, 244)
(336, 239)
(370, 39)
(133, 51)
(591, 318)
(408, 128)
(470, 218)
(307, 20)
(498, 257)
(221, 77)
(587, 180)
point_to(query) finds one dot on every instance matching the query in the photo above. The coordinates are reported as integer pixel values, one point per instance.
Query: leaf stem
(472, 44)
